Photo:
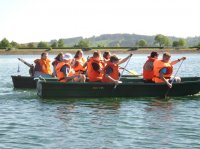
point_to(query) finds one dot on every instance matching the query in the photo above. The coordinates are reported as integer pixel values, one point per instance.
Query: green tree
(61, 43)
(162, 40)
(141, 43)
(5, 43)
(182, 42)
(22, 46)
(42, 44)
(54, 44)
(31, 45)
(175, 44)
(168, 41)
(83, 44)
(100, 45)
(14, 44)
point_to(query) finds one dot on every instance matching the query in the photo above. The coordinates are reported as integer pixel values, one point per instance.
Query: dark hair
(105, 54)
(77, 53)
(114, 58)
(167, 54)
(43, 54)
(58, 56)
(153, 54)
(96, 54)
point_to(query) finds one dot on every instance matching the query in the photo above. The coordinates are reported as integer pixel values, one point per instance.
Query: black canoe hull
(132, 88)
(24, 82)
(28, 82)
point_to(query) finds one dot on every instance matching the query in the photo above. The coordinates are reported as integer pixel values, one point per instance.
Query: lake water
(28, 122)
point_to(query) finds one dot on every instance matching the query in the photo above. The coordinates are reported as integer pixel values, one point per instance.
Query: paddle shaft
(32, 68)
(127, 70)
(18, 68)
(26, 63)
(123, 71)
(174, 78)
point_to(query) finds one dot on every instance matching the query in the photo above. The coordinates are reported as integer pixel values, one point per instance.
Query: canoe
(131, 87)
(30, 83)
(25, 82)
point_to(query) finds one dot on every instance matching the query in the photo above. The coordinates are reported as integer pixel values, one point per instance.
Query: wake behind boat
(129, 88)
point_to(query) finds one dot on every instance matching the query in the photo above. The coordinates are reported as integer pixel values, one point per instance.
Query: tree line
(159, 41)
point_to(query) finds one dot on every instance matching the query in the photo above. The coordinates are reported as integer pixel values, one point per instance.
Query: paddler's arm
(108, 72)
(178, 60)
(72, 77)
(113, 80)
(54, 71)
(65, 70)
(165, 80)
(124, 59)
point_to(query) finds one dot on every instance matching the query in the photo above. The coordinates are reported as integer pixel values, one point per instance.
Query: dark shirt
(95, 66)
(64, 69)
(109, 70)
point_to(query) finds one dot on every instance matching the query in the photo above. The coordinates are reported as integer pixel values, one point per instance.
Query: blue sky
(42, 20)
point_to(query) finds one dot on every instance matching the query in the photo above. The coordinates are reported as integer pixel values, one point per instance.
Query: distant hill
(122, 40)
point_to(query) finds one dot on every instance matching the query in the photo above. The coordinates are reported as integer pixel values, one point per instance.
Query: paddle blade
(133, 72)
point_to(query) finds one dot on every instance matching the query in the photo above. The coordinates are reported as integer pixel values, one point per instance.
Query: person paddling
(65, 72)
(111, 71)
(163, 70)
(148, 67)
(42, 66)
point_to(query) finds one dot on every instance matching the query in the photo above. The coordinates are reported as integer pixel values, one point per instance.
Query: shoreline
(116, 51)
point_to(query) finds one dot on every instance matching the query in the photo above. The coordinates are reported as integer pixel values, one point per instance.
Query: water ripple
(30, 122)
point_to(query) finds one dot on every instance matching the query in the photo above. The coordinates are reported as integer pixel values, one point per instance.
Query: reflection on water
(30, 122)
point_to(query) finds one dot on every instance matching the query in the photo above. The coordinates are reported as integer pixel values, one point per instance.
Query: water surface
(30, 122)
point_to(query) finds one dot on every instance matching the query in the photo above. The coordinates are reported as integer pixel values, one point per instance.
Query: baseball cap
(67, 56)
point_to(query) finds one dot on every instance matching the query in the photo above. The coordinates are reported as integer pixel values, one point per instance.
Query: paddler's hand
(117, 82)
(131, 55)
(169, 85)
(183, 58)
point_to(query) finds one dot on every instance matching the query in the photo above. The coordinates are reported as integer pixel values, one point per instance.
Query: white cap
(67, 56)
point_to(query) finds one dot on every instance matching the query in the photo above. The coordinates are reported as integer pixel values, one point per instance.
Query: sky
(43, 20)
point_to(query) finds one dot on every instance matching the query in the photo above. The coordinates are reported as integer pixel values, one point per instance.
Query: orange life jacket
(60, 74)
(94, 75)
(43, 65)
(79, 69)
(158, 65)
(148, 73)
(114, 74)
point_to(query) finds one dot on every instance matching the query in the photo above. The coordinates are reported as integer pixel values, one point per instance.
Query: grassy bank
(118, 50)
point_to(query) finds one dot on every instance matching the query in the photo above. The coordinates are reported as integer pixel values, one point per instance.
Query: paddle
(174, 78)
(123, 71)
(31, 66)
(18, 68)
(131, 71)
